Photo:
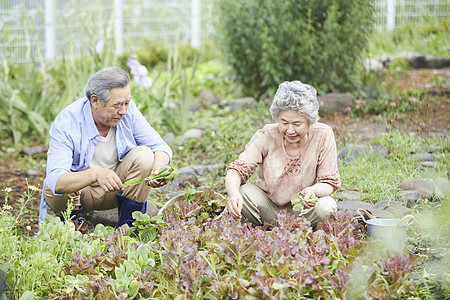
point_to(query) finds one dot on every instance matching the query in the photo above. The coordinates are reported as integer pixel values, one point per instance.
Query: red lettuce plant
(225, 258)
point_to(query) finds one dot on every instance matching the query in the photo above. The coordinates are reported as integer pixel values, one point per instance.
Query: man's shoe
(80, 224)
(126, 207)
(78, 221)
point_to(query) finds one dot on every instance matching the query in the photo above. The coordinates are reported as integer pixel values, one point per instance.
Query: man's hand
(155, 183)
(234, 206)
(108, 180)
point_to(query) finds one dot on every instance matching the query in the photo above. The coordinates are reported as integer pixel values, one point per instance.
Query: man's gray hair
(104, 80)
(295, 95)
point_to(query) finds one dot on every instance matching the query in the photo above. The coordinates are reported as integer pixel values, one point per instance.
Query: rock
(348, 195)
(442, 188)
(421, 61)
(195, 133)
(408, 197)
(109, 217)
(169, 138)
(373, 64)
(335, 102)
(32, 173)
(33, 150)
(422, 156)
(368, 90)
(194, 107)
(350, 151)
(208, 98)
(352, 206)
(413, 203)
(152, 210)
(241, 102)
(398, 211)
(383, 214)
(423, 186)
(185, 179)
(427, 164)
(3, 286)
(384, 59)
(201, 169)
(383, 204)
(432, 62)
(213, 126)
(434, 149)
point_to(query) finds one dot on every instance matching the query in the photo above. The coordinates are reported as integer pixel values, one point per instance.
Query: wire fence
(34, 30)
(390, 14)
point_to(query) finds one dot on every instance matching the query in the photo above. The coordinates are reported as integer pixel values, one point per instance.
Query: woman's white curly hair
(295, 95)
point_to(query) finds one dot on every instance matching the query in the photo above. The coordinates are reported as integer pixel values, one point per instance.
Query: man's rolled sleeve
(59, 158)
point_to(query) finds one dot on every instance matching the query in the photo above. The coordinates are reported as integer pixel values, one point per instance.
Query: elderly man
(97, 143)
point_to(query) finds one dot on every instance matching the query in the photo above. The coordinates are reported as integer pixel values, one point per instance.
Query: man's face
(115, 108)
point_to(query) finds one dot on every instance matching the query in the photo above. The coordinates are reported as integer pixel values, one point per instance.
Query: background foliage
(319, 42)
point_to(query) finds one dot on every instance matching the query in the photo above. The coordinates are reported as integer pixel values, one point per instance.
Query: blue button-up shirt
(74, 137)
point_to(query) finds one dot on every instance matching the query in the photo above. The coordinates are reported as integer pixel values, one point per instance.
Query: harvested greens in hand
(297, 201)
(166, 174)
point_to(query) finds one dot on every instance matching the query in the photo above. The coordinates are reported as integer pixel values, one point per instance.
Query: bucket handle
(359, 210)
(403, 220)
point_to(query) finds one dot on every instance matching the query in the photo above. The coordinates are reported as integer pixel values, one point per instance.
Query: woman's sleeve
(327, 170)
(254, 153)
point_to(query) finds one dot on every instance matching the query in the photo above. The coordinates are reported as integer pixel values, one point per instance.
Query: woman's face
(292, 125)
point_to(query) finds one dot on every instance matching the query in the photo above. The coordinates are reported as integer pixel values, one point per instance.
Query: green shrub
(318, 42)
(150, 55)
(155, 53)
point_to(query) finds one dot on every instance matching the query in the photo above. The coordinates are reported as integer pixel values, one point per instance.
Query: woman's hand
(308, 193)
(234, 206)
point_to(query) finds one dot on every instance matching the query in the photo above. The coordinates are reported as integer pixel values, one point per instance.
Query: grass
(377, 177)
(425, 38)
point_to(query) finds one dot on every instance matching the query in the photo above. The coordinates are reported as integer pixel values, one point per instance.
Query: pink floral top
(281, 175)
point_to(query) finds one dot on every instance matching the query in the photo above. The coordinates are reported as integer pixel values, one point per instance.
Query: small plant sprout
(6, 191)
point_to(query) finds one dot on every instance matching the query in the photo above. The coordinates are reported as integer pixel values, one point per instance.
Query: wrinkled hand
(308, 193)
(108, 180)
(234, 206)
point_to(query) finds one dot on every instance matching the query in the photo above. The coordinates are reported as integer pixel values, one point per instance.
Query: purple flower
(99, 46)
(146, 82)
(132, 63)
(140, 73)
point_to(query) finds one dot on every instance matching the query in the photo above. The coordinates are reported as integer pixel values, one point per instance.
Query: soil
(18, 170)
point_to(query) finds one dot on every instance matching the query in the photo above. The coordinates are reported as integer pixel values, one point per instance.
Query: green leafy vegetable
(297, 201)
(166, 174)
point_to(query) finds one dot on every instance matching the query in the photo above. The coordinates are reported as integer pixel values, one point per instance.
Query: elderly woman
(295, 155)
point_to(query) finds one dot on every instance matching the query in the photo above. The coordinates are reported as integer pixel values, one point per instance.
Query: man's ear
(95, 102)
